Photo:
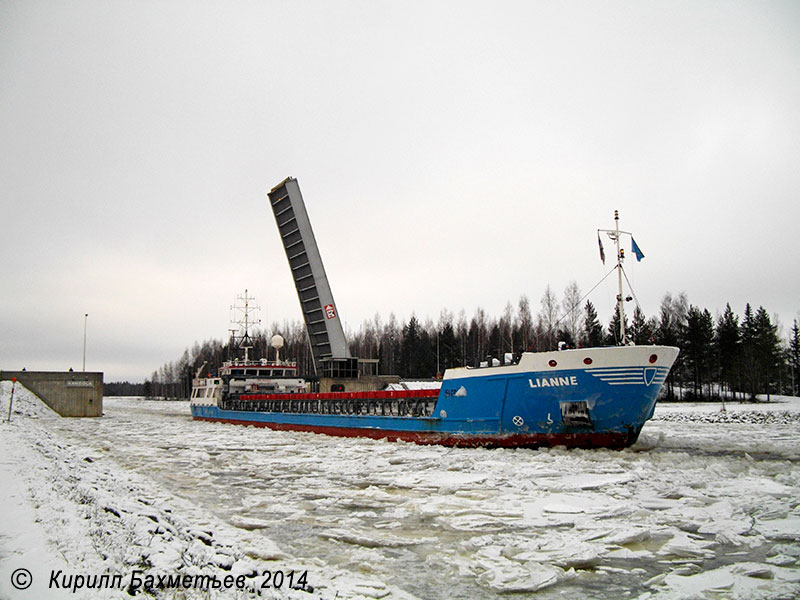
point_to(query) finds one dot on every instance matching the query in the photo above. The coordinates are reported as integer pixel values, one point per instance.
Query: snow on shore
(704, 506)
(79, 514)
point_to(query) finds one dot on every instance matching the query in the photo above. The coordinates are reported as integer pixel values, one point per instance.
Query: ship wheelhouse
(262, 376)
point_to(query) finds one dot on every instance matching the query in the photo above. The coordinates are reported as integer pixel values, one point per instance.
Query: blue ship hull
(597, 397)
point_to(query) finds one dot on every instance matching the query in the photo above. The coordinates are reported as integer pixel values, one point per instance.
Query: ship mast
(244, 321)
(620, 301)
(616, 235)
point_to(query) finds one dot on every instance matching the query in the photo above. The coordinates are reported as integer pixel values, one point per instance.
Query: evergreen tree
(613, 334)
(426, 361)
(751, 369)
(761, 351)
(592, 329)
(748, 325)
(768, 348)
(640, 331)
(495, 341)
(794, 356)
(652, 328)
(462, 331)
(410, 349)
(728, 346)
(448, 348)
(473, 356)
(697, 338)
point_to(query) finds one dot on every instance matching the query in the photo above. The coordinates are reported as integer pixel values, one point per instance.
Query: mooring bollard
(11, 400)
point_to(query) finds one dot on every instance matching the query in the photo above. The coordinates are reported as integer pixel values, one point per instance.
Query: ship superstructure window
(345, 368)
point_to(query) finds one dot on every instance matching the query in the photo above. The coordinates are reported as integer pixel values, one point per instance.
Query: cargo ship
(587, 397)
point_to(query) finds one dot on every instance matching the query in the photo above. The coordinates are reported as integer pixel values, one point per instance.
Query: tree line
(728, 356)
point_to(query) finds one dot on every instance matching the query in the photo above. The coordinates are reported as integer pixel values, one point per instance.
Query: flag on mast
(636, 250)
(602, 252)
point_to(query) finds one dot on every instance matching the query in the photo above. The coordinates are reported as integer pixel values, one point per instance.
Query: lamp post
(11, 399)
(85, 318)
(438, 370)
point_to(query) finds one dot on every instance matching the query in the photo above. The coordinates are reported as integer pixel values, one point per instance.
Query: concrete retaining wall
(70, 394)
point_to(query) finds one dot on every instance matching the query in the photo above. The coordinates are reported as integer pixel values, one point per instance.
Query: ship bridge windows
(507, 359)
(271, 373)
(261, 372)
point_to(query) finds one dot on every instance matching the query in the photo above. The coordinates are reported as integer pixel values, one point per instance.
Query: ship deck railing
(371, 395)
(400, 403)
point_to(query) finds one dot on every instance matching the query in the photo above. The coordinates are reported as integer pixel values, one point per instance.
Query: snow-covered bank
(72, 513)
(696, 509)
(751, 417)
(775, 404)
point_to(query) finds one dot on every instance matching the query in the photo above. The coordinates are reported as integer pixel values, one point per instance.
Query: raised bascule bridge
(335, 369)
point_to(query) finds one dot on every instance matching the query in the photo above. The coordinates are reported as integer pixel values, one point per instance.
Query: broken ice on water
(704, 505)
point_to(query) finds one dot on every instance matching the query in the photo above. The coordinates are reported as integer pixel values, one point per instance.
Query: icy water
(689, 501)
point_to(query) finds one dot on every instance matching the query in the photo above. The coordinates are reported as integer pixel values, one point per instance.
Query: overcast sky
(451, 155)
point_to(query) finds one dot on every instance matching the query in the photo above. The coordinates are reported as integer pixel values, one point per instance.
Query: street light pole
(11, 399)
(85, 318)
(438, 370)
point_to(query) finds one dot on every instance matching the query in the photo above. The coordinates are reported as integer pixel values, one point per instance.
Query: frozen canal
(698, 508)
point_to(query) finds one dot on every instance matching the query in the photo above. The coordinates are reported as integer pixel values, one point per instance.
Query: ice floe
(700, 508)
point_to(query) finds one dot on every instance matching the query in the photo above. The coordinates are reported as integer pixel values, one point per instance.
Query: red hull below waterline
(588, 440)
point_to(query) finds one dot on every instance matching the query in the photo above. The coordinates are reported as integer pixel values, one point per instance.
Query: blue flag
(636, 250)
